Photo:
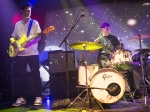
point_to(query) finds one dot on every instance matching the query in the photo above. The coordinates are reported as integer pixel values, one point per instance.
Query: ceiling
(60, 4)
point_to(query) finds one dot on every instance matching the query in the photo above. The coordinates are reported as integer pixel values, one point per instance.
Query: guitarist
(29, 56)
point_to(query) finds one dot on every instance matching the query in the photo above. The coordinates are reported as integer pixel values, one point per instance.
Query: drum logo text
(105, 76)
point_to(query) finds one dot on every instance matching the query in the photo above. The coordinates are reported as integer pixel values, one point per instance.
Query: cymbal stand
(144, 89)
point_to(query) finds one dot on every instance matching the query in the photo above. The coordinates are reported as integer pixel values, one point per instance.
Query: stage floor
(78, 106)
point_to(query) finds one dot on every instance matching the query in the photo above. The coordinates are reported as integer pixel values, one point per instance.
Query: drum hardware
(147, 81)
(142, 36)
(85, 45)
(81, 61)
(144, 89)
(143, 50)
(90, 94)
(87, 89)
(113, 89)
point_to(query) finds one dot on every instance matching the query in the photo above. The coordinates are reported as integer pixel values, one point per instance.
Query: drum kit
(108, 85)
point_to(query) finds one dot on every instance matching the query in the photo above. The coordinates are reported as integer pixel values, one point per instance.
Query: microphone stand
(66, 43)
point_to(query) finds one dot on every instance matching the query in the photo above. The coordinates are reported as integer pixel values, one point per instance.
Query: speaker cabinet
(59, 86)
(57, 61)
(30, 90)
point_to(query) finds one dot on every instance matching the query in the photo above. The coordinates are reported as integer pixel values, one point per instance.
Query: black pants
(33, 62)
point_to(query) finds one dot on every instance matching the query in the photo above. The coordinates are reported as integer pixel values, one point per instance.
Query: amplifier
(57, 61)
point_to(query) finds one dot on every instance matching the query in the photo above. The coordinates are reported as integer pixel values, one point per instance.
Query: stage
(79, 106)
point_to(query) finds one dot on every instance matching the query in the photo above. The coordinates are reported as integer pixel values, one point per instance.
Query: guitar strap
(29, 27)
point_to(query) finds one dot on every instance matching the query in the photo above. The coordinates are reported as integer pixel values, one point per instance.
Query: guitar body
(19, 43)
(15, 51)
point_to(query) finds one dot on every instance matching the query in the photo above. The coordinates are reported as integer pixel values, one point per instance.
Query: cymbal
(136, 37)
(85, 45)
(143, 50)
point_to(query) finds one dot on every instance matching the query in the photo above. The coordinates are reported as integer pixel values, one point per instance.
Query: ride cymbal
(136, 37)
(85, 45)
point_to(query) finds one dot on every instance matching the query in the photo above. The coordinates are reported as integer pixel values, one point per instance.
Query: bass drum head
(111, 80)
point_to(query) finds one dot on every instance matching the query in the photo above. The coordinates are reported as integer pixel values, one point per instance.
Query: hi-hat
(85, 45)
(136, 37)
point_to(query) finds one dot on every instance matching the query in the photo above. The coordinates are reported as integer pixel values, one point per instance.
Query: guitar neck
(46, 31)
(36, 35)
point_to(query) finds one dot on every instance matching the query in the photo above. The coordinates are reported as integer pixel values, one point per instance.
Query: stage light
(146, 4)
(131, 22)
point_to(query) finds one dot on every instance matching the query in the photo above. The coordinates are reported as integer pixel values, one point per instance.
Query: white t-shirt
(21, 30)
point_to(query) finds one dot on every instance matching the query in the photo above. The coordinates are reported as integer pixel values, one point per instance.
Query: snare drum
(121, 59)
(109, 85)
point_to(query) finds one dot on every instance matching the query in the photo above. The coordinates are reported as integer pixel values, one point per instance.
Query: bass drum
(108, 85)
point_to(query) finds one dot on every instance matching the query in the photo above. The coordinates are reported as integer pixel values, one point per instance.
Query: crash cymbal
(143, 50)
(85, 45)
(136, 37)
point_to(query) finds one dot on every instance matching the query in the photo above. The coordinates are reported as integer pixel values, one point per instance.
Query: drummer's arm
(96, 41)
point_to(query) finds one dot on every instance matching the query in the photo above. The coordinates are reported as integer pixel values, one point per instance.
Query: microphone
(83, 14)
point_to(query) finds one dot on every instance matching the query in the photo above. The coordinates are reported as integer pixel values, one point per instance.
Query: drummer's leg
(103, 63)
(130, 80)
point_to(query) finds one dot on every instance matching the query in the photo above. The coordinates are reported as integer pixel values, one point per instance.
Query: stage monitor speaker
(57, 61)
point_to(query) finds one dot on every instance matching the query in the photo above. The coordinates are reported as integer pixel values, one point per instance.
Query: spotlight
(146, 4)
(47, 97)
(131, 22)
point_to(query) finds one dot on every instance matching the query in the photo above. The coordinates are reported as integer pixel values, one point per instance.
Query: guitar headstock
(49, 29)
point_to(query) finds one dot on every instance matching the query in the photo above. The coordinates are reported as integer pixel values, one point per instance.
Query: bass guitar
(14, 51)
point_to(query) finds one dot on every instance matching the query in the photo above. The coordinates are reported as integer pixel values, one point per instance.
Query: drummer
(109, 42)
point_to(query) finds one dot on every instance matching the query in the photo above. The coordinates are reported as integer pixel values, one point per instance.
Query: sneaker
(19, 102)
(38, 101)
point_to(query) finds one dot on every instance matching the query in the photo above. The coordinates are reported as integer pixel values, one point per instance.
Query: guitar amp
(57, 61)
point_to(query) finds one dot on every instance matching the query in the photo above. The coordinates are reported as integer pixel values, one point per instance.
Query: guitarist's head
(25, 8)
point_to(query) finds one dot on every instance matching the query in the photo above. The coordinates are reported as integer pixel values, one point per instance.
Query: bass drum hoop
(102, 95)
